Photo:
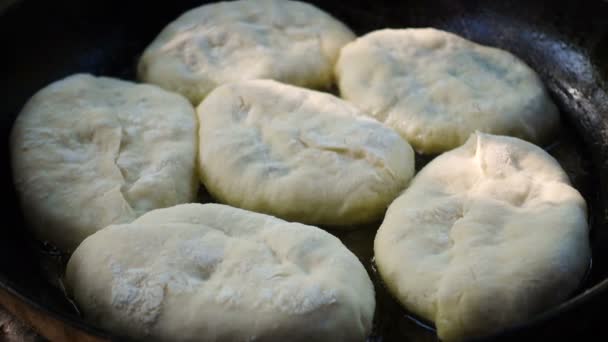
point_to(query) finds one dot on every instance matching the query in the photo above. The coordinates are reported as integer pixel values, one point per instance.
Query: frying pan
(566, 42)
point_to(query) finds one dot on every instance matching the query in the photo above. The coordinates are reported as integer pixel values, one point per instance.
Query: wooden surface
(44, 323)
(13, 329)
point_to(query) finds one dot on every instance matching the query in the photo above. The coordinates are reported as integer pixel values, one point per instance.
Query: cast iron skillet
(565, 41)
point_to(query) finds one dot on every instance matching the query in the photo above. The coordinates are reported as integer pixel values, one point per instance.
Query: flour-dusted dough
(88, 152)
(224, 42)
(211, 272)
(299, 154)
(436, 88)
(487, 235)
